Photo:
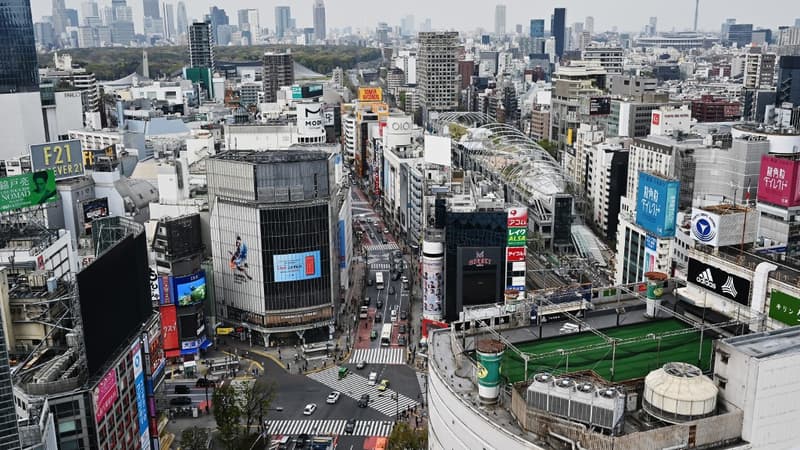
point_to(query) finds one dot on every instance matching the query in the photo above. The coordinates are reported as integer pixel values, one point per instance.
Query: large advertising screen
(296, 266)
(342, 245)
(306, 91)
(26, 190)
(94, 209)
(719, 281)
(370, 94)
(191, 289)
(779, 182)
(784, 308)
(657, 204)
(64, 158)
(599, 106)
(169, 327)
(105, 394)
(141, 396)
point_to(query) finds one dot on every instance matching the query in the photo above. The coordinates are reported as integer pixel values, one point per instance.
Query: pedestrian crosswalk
(379, 266)
(379, 355)
(329, 427)
(389, 246)
(353, 385)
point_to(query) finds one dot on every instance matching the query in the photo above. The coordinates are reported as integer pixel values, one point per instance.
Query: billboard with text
(297, 266)
(64, 158)
(718, 281)
(779, 182)
(784, 308)
(105, 394)
(370, 94)
(657, 204)
(169, 327)
(26, 190)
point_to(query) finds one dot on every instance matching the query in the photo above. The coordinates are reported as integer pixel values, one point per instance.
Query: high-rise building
(169, 20)
(588, 24)
(201, 45)
(19, 73)
(218, 17)
(537, 28)
(283, 19)
(250, 23)
(789, 80)
(319, 20)
(558, 29)
(740, 34)
(500, 20)
(437, 70)
(652, 26)
(181, 19)
(759, 69)
(9, 432)
(278, 72)
(150, 9)
(89, 9)
(407, 25)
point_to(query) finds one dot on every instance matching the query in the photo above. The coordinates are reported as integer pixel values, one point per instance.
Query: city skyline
(339, 13)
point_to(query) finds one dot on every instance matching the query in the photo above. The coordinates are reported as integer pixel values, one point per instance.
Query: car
(180, 401)
(182, 389)
(378, 317)
(391, 290)
(370, 281)
(401, 340)
(395, 276)
(394, 315)
(309, 409)
(384, 384)
(366, 301)
(204, 383)
(403, 315)
(361, 365)
(402, 329)
(385, 231)
(373, 334)
(363, 402)
(350, 426)
(373, 378)
(333, 397)
(379, 303)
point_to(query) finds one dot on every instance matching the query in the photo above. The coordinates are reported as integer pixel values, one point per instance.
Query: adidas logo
(707, 280)
(729, 288)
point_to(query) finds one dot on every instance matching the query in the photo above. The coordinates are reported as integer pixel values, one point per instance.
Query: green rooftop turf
(633, 360)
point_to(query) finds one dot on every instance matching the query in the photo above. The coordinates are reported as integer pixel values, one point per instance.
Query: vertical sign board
(64, 158)
(141, 398)
(784, 308)
(657, 204)
(516, 253)
(105, 394)
(650, 253)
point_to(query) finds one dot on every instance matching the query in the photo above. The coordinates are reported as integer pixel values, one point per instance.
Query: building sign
(656, 118)
(370, 94)
(307, 91)
(105, 394)
(165, 289)
(599, 106)
(191, 289)
(515, 254)
(64, 158)
(309, 118)
(784, 308)
(169, 327)
(480, 260)
(719, 281)
(28, 189)
(704, 227)
(432, 285)
(517, 237)
(296, 266)
(155, 295)
(92, 210)
(517, 217)
(779, 182)
(141, 397)
(657, 204)
(92, 157)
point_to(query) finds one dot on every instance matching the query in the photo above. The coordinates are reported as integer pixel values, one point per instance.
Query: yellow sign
(482, 372)
(224, 331)
(370, 94)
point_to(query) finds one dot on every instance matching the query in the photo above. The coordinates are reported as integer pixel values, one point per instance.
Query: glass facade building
(19, 71)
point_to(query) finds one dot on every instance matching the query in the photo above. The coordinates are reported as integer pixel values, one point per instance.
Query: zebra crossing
(380, 266)
(330, 427)
(354, 386)
(378, 355)
(378, 247)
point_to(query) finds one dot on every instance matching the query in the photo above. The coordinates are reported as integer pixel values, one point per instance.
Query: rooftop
(785, 341)
(273, 156)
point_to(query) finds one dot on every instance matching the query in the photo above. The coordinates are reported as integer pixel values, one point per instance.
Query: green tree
(550, 147)
(256, 398)
(403, 437)
(228, 414)
(195, 438)
(456, 131)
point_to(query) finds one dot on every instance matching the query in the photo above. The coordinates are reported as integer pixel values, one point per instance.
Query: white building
(610, 58)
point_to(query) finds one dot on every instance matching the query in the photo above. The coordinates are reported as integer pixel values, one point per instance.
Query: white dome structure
(679, 392)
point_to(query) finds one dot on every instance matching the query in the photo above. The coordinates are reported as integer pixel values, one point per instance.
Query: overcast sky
(628, 15)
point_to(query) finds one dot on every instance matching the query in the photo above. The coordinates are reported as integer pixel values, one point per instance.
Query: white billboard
(437, 150)
(720, 230)
(309, 119)
(432, 280)
(398, 131)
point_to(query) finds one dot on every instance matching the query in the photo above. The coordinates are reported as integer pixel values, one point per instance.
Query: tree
(403, 437)
(228, 413)
(550, 147)
(195, 438)
(256, 398)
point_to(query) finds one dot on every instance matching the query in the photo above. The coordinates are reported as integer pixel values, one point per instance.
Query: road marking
(329, 427)
(354, 385)
(379, 247)
(379, 356)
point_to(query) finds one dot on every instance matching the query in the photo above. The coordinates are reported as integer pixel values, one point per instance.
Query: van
(364, 313)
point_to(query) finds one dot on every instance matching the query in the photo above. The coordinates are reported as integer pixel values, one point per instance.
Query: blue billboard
(296, 266)
(657, 204)
(191, 289)
(342, 245)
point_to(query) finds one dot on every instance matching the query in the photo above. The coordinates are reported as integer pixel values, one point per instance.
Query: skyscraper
(217, 17)
(169, 20)
(278, 72)
(19, 72)
(182, 21)
(59, 15)
(89, 9)
(789, 80)
(151, 9)
(250, 23)
(437, 70)
(283, 18)
(319, 20)
(588, 24)
(500, 20)
(537, 28)
(407, 25)
(201, 45)
(558, 29)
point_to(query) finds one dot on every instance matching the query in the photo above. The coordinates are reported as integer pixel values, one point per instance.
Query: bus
(379, 280)
(386, 335)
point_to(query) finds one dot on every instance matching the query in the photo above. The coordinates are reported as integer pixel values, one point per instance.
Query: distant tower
(145, 65)
(500, 20)
(319, 20)
(696, 12)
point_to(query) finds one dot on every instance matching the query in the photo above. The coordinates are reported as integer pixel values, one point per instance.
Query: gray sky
(628, 15)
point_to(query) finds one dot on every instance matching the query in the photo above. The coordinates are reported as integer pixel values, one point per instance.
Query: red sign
(377, 183)
(169, 327)
(778, 181)
(156, 352)
(428, 324)
(656, 118)
(515, 254)
(105, 395)
(518, 217)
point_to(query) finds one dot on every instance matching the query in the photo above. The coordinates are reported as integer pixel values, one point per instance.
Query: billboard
(517, 237)
(64, 158)
(517, 217)
(779, 182)
(657, 204)
(94, 209)
(515, 254)
(191, 289)
(169, 327)
(599, 106)
(155, 295)
(650, 253)
(28, 189)
(342, 245)
(719, 281)
(370, 94)
(784, 308)
(93, 156)
(306, 91)
(141, 397)
(296, 266)
(165, 289)
(105, 394)
(720, 230)
(309, 118)
(432, 283)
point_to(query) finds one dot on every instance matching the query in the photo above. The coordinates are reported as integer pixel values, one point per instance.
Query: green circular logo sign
(482, 372)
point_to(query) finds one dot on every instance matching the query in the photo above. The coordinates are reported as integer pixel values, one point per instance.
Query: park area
(633, 360)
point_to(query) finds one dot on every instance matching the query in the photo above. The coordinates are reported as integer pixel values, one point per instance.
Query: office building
(169, 21)
(437, 70)
(181, 19)
(151, 9)
(537, 29)
(319, 20)
(283, 20)
(278, 72)
(740, 34)
(558, 30)
(607, 174)
(250, 23)
(500, 20)
(201, 45)
(407, 26)
(610, 58)
(588, 25)
(759, 69)
(219, 21)
(788, 81)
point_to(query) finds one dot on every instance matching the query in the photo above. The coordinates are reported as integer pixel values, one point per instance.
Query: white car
(309, 409)
(373, 378)
(333, 397)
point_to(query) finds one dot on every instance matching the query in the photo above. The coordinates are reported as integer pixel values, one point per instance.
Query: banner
(719, 281)
(26, 190)
(64, 158)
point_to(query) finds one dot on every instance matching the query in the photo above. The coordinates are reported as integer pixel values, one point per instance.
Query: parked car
(403, 315)
(402, 329)
(205, 382)
(363, 402)
(350, 426)
(309, 409)
(180, 401)
(182, 389)
(333, 397)
(361, 365)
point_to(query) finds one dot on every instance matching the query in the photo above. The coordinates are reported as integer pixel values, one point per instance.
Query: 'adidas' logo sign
(706, 279)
